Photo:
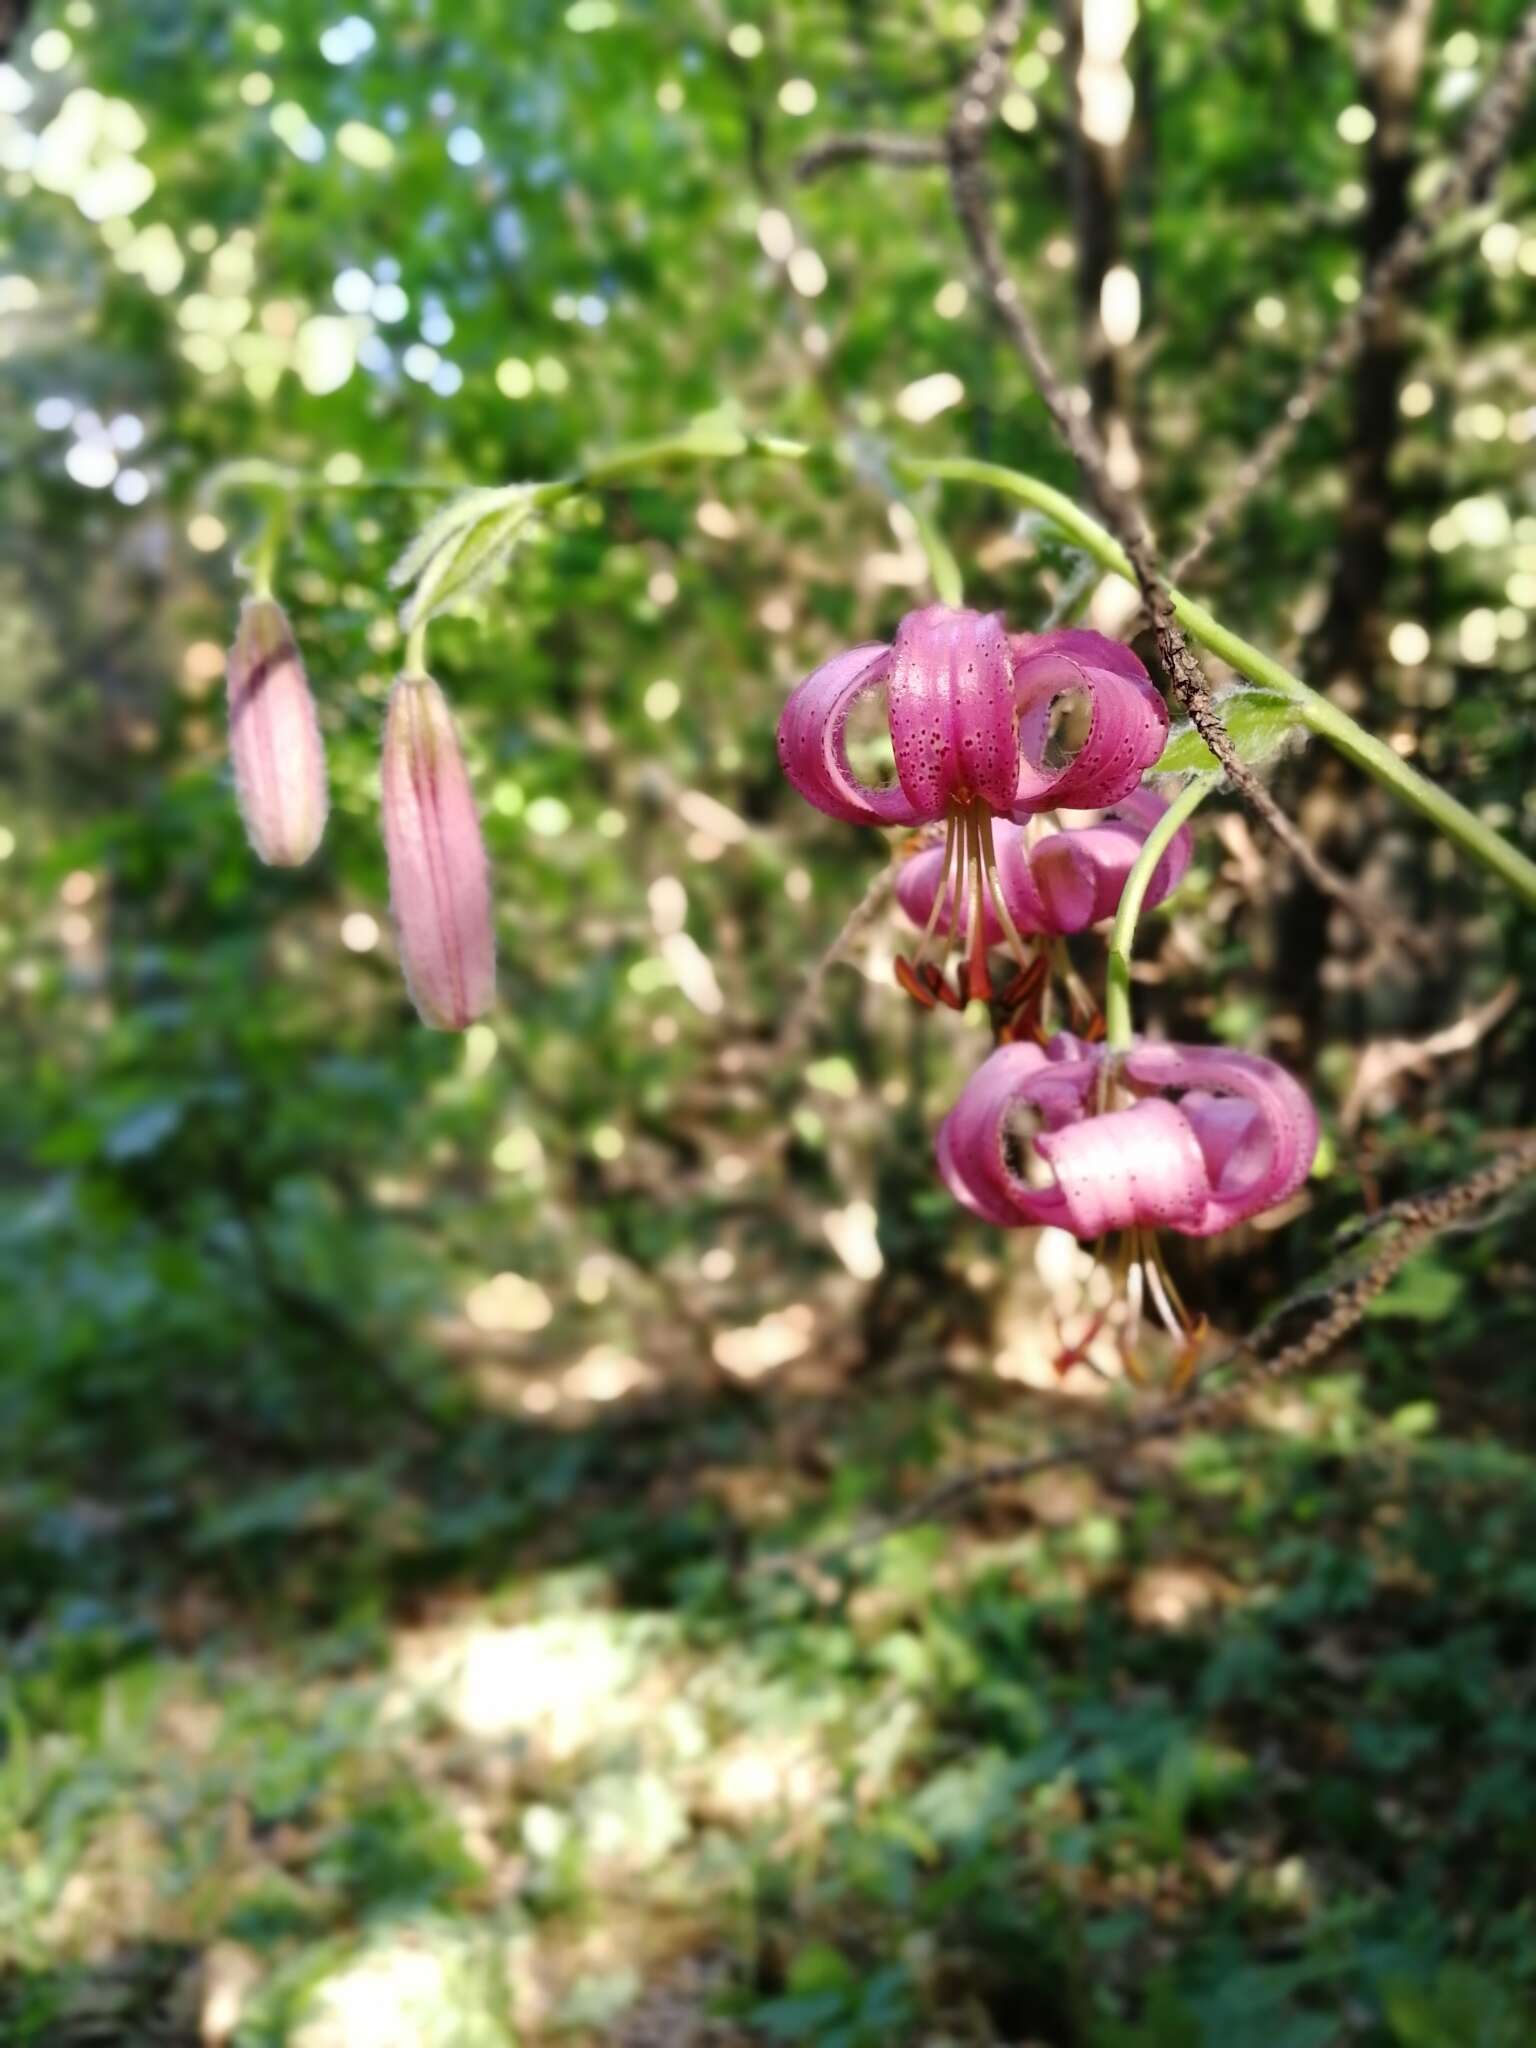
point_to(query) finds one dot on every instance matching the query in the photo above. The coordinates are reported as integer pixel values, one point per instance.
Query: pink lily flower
(1049, 886)
(274, 738)
(439, 883)
(1186, 1138)
(973, 714)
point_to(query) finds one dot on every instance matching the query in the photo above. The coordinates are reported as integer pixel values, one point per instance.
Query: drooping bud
(439, 883)
(274, 738)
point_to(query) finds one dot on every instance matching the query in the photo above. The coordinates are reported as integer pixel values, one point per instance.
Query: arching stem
(1117, 997)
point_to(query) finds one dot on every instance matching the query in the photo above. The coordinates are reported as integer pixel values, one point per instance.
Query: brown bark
(1349, 638)
(1348, 644)
(1098, 178)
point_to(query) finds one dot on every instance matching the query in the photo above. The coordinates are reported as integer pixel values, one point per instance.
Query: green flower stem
(1117, 994)
(943, 569)
(716, 440)
(1315, 711)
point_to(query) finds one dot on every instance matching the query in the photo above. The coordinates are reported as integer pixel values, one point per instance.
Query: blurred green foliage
(381, 1646)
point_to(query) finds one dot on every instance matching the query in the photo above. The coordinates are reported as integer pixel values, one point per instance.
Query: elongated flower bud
(438, 880)
(274, 738)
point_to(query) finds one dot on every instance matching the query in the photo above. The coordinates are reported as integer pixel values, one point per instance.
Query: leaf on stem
(1259, 723)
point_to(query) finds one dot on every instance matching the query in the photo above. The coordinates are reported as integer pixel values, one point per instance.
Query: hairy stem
(1316, 712)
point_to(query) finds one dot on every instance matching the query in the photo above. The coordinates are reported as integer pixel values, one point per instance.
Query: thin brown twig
(907, 152)
(1482, 144)
(1386, 1060)
(974, 109)
(799, 1016)
(1418, 1219)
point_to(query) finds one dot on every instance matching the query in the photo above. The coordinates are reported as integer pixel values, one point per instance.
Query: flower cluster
(989, 732)
(1019, 762)
(439, 880)
(976, 718)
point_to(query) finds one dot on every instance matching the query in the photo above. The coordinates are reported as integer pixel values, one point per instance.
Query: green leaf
(455, 518)
(1424, 1292)
(1259, 723)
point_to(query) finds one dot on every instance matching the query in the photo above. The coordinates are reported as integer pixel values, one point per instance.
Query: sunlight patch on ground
(754, 1351)
(562, 1684)
(1173, 1595)
(756, 1777)
(412, 1987)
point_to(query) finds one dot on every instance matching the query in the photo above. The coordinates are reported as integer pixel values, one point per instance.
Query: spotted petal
(1128, 1166)
(813, 741)
(1078, 875)
(1241, 1139)
(1127, 720)
(954, 727)
(1250, 1169)
(1055, 1081)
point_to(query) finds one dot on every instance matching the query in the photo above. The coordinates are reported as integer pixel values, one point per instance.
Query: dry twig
(908, 152)
(1217, 1388)
(798, 1018)
(965, 137)
(1386, 1059)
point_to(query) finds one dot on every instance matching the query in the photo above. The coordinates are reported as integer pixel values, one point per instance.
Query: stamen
(1023, 1002)
(1189, 1352)
(978, 980)
(939, 900)
(988, 853)
(1185, 1318)
(1157, 1275)
(915, 981)
(1068, 1355)
(1085, 1011)
(1133, 1292)
(925, 983)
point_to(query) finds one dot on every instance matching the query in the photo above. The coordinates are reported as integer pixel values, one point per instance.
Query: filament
(1159, 1282)
(988, 856)
(979, 982)
(938, 902)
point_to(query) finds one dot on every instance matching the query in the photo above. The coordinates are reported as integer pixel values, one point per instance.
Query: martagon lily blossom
(439, 883)
(1158, 1137)
(274, 738)
(973, 714)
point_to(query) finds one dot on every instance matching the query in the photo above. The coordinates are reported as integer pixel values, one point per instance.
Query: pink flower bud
(274, 738)
(438, 880)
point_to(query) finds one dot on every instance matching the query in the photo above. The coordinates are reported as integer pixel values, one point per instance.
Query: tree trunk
(1349, 638)
(1347, 647)
(1099, 160)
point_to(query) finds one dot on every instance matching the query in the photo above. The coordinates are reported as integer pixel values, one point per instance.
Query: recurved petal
(954, 727)
(1256, 1168)
(274, 738)
(438, 878)
(813, 741)
(1139, 812)
(1136, 1165)
(1126, 720)
(1093, 650)
(1080, 873)
(1232, 1135)
(1019, 881)
(1016, 1081)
